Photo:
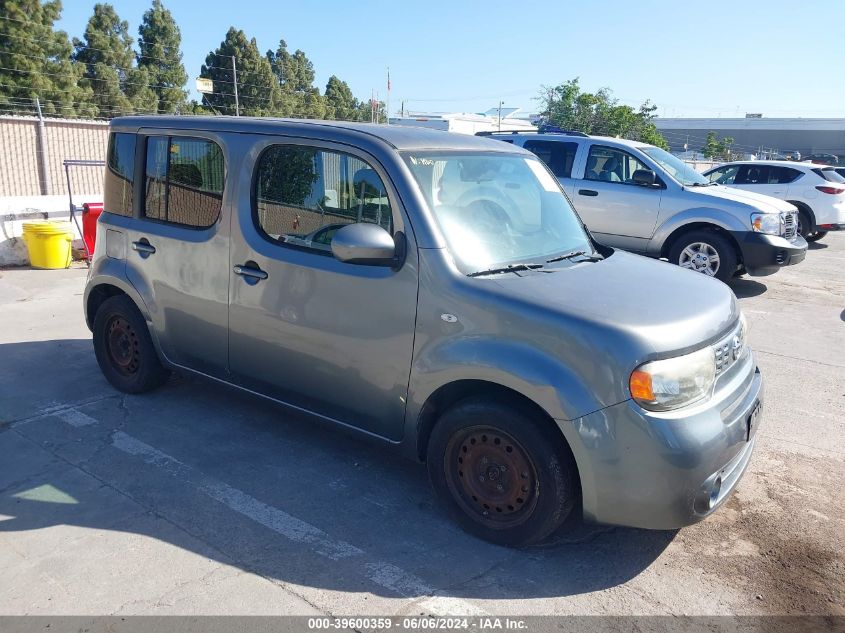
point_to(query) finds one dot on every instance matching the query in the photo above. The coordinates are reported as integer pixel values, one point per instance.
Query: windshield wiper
(590, 257)
(510, 268)
(703, 184)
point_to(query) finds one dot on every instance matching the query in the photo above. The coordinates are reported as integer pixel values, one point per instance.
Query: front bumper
(670, 469)
(764, 254)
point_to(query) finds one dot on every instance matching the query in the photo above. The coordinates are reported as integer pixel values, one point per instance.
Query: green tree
(106, 52)
(295, 76)
(35, 61)
(159, 53)
(567, 106)
(340, 103)
(716, 149)
(258, 88)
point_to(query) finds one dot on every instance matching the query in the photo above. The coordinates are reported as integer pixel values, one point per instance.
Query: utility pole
(235, 77)
(501, 103)
(43, 161)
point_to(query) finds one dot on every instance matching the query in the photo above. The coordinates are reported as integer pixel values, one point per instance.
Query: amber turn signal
(640, 384)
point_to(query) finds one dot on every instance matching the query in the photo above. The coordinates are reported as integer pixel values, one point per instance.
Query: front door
(617, 211)
(328, 337)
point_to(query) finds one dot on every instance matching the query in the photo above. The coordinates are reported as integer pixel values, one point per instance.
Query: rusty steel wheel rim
(491, 476)
(123, 346)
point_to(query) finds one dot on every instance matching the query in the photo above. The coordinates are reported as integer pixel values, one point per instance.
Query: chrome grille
(790, 225)
(730, 349)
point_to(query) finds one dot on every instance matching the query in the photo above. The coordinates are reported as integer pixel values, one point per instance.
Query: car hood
(767, 204)
(659, 307)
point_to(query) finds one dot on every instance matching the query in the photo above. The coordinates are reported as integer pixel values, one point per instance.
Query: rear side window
(831, 175)
(304, 195)
(120, 174)
(783, 175)
(557, 155)
(184, 180)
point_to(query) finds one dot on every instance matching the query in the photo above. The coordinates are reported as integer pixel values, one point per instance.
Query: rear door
(617, 211)
(178, 246)
(328, 337)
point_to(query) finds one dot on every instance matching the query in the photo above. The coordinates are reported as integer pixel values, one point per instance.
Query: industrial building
(755, 133)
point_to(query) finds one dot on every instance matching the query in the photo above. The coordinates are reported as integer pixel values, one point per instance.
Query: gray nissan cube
(432, 291)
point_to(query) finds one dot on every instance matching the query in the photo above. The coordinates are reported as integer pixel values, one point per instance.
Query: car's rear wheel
(705, 252)
(124, 349)
(815, 237)
(805, 227)
(499, 473)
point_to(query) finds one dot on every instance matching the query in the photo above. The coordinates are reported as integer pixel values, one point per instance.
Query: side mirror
(644, 177)
(364, 243)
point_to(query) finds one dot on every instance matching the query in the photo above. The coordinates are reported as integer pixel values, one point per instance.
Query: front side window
(120, 169)
(184, 181)
(304, 195)
(611, 165)
(753, 175)
(724, 175)
(559, 156)
(497, 209)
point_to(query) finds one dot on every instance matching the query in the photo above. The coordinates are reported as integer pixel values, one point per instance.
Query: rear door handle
(143, 247)
(250, 271)
(587, 192)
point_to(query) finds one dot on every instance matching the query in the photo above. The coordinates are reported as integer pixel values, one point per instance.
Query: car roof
(399, 137)
(563, 137)
(781, 163)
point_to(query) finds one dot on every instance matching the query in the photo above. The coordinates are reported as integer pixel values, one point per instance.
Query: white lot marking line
(447, 606)
(76, 418)
(57, 408)
(383, 574)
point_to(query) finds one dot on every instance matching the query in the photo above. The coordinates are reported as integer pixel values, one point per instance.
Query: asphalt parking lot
(199, 500)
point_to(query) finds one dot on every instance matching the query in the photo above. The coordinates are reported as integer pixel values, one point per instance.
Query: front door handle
(587, 192)
(250, 271)
(143, 247)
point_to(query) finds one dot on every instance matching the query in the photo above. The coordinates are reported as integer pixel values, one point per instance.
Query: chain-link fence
(32, 151)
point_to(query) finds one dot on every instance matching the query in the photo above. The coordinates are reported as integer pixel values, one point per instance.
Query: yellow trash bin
(48, 243)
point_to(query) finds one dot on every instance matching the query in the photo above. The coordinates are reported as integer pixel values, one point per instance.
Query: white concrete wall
(15, 210)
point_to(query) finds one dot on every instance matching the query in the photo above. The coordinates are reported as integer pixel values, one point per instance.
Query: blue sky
(691, 59)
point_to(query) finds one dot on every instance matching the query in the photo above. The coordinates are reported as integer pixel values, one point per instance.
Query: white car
(817, 190)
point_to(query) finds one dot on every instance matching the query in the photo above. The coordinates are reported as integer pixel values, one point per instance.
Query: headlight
(770, 223)
(662, 385)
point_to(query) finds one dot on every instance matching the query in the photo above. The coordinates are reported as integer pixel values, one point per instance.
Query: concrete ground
(199, 500)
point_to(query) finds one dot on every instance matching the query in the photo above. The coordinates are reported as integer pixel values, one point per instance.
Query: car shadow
(245, 482)
(746, 288)
(816, 246)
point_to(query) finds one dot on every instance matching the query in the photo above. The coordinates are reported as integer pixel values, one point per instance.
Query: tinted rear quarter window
(184, 180)
(120, 174)
(831, 175)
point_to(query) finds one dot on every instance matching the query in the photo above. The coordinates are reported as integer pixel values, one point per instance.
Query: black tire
(721, 245)
(815, 237)
(520, 468)
(124, 349)
(805, 224)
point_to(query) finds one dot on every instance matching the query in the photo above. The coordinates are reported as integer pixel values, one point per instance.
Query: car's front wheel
(500, 473)
(124, 349)
(705, 252)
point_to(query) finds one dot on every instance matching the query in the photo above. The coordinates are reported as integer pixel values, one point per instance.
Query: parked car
(817, 191)
(462, 313)
(791, 155)
(640, 198)
(822, 159)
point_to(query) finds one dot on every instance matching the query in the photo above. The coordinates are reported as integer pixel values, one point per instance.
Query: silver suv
(643, 199)
(432, 291)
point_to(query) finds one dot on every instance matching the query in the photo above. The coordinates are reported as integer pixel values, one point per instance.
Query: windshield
(676, 168)
(497, 210)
